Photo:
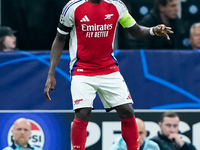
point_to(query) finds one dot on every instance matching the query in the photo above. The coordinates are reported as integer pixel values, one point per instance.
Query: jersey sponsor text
(96, 27)
(100, 30)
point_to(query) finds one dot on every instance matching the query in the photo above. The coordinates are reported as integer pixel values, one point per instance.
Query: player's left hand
(50, 84)
(162, 30)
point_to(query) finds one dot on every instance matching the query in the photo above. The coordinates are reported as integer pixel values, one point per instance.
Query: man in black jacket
(164, 12)
(168, 138)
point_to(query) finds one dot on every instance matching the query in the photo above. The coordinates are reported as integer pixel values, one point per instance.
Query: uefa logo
(37, 135)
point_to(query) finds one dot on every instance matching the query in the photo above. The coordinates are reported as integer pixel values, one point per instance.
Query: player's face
(195, 38)
(169, 125)
(21, 132)
(170, 10)
(10, 42)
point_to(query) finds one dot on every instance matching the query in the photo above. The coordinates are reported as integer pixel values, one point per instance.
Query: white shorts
(111, 88)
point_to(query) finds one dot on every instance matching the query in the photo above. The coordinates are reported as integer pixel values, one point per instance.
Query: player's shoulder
(114, 1)
(72, 5)
(118, 3)
(74, 2)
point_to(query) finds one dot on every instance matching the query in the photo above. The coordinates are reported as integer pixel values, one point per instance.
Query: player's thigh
(83, 93)
(113, 90)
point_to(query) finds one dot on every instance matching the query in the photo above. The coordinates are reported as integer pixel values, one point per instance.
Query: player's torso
(95, 29)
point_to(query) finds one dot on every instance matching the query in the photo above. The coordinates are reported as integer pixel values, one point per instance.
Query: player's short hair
(193, 27)
(170, 114)
(158, 3)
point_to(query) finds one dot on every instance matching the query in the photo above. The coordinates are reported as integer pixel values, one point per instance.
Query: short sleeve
(66, 21)
(125, 19)
(67, 15)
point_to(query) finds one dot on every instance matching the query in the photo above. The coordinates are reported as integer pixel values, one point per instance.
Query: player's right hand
(50, 84)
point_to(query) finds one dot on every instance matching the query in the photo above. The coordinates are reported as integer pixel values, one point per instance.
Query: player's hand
(176, 138)
(162, 30)
(50, 84)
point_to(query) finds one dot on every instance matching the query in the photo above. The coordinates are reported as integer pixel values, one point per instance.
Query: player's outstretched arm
(140, 32)
(56, 52)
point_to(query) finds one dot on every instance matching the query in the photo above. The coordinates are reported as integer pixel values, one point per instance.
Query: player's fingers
(48, 96)
(170, 31)
(46, 92)
(163, 27)
(168, 28)
(167, 36)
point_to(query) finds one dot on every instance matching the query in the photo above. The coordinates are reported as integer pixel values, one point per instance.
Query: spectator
(21, 133)
(164, 12)
(168, 138)
(144, 142)
(7, 39)
(195, 36)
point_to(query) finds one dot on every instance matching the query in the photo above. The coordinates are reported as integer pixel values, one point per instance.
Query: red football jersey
(92, 35)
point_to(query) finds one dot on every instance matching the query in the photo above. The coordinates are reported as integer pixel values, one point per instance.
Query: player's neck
(95, 1)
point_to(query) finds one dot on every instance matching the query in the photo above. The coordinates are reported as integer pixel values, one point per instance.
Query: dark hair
(158, 3)
(168, 114)
(2, 46)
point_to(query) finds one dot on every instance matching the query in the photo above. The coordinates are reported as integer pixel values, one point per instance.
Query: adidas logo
(129, 96)
(85, 19)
